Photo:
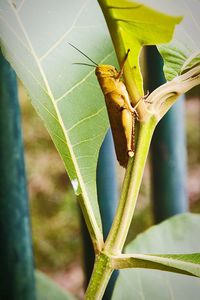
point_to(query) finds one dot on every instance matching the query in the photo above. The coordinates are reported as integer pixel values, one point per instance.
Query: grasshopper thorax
(103, 71)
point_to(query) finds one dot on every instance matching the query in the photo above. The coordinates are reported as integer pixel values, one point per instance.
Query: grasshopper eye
(98, 72)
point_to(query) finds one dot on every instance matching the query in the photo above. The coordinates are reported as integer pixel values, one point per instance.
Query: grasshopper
(121, 113)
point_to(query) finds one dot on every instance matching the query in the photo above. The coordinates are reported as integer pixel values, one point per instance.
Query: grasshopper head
(106, 71)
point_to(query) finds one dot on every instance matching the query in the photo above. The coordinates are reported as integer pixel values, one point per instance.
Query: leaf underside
(34, 39)
(47, 289)
(34, 36)
(178, 234)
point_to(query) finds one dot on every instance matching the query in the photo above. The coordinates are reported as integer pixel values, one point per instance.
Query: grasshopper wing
(122, 132)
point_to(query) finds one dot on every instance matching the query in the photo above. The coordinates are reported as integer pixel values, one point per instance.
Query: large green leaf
(34, 38)
(179, 234)
(133, 25)
(47, 289)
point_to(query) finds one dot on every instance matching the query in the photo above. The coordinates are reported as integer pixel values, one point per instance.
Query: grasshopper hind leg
(128, 125)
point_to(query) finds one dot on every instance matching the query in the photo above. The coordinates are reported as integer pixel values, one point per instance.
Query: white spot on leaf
(75, 184)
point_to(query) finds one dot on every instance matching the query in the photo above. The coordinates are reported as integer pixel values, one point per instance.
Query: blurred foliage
(193, 148)
(192, 130)
(54, 210)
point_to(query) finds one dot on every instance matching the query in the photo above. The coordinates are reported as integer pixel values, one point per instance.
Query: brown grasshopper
(120, 111)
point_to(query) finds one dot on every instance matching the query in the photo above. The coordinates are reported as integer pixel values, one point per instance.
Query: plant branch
(162, 99)
(130, 190)
(176, 263)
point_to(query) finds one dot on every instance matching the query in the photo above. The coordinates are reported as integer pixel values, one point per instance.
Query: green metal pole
(107, 188)
(168, 151)
(107, 191)
(16, 258)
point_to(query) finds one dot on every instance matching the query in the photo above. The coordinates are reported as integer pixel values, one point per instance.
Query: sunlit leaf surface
(134, 24)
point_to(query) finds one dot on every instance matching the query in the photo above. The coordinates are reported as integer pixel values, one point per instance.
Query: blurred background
(55, 214)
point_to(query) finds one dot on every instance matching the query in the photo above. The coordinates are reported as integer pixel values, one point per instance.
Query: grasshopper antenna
(123, 63)
(83, 64)
(83, 54)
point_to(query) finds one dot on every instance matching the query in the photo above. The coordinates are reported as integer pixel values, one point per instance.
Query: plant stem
(130, 190)
(100, 277)
(103, 265)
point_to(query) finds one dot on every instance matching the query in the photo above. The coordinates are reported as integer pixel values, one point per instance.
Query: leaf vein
(192, 16)
(73, 87)
(85, 156)
(13, 31)
(61, 139)
(85, 119)
(27, 70)
(59, 41)
(20, 5)
(83, 80)
(86, 140)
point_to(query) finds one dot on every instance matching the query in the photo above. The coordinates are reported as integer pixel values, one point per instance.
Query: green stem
(103, 267)
(100, 276)
(130, 190)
